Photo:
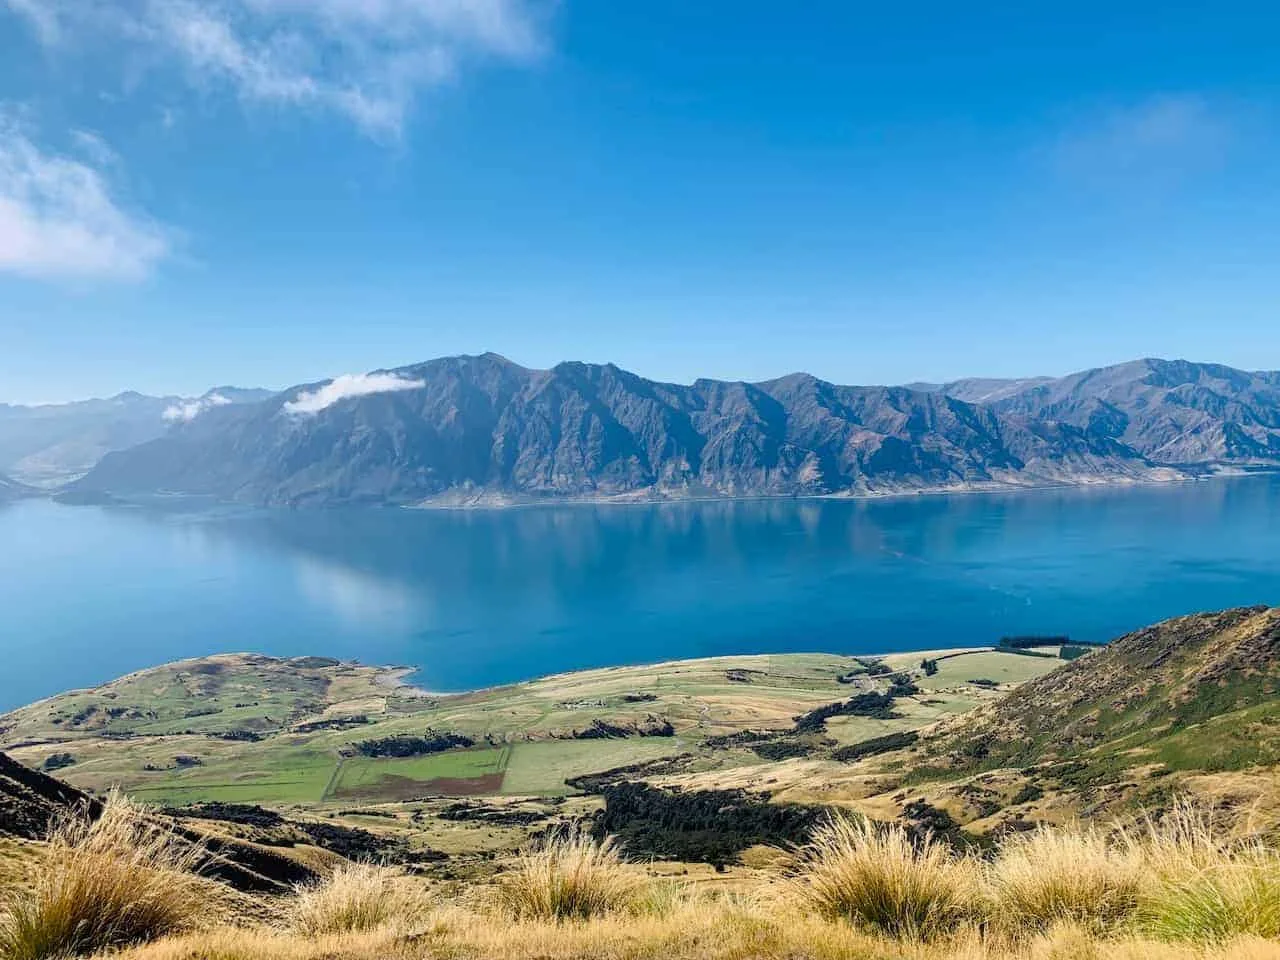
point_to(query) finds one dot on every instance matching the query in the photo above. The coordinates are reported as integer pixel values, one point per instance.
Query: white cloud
(59, 219)
(1162, 137)
(188, 410)
(347, 386)
(367, 60)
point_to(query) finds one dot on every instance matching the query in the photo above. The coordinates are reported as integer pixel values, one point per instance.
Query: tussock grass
(1206, 885)
(1216, 905)
(1065, 875)
(705, 930)
(355, 898)
(1186, 840)
(104, 884)
(1177, 890)
(880, 879)
(570, 876)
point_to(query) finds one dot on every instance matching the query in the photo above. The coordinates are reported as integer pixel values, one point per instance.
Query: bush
(104, 884)
(570, 876)
(1064, 876)
(357, 897)
(880, 879)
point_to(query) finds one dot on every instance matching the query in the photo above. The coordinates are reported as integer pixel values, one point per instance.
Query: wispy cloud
(367, 60)
(1162, 137)
(58, 218)
(348, 386)
(95, 148)
(189, 410)
(42, 15)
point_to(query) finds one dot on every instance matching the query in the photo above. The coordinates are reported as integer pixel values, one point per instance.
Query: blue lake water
(484, 597)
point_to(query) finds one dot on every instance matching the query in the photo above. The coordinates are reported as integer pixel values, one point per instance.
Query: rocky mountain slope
(464, 429)
(50, 443)
(1171, 412)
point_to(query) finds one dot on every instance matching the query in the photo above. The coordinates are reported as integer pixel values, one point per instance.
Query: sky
(271, 192)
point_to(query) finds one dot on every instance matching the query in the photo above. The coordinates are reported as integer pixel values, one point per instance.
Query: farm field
(454, 773)
(540, 769)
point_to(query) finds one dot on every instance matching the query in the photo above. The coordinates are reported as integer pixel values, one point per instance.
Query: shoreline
(396, 677)
(451, 502)
(976, 489)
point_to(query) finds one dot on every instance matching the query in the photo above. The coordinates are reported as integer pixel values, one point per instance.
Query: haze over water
(486, 597)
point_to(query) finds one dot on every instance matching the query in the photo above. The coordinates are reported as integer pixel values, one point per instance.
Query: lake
(475, 598)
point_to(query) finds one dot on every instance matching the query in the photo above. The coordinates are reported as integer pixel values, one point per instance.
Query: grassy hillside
(470, 776)
(1200, 692)
(251, 729)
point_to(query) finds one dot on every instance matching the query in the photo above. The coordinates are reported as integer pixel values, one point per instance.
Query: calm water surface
(478, 598)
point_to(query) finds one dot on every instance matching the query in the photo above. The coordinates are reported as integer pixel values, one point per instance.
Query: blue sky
(198, 192)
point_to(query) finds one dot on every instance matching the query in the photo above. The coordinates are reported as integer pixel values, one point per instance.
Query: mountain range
(482, 429)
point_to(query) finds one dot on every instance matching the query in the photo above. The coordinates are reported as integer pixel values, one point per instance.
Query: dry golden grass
(570, 876)
(1188, 839)
(108, 883)
(1066, 875)
(355, 898)
(1173, 891)
(697, 931)
(879, 878)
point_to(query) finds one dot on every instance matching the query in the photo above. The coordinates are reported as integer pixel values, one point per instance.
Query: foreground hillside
(115, 880)
(692, 761)
(484, 429)
(459, 777)
(921, 806)
(1189, 707)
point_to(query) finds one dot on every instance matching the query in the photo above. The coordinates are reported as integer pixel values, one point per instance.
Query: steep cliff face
(463, 428)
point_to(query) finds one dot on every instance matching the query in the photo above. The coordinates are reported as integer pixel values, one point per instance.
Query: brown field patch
(395, 787)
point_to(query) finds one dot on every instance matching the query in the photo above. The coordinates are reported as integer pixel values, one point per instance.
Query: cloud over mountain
(347, 386)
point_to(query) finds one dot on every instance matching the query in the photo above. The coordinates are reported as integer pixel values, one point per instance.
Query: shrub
(570, 876)
(881, 879)
(356, 897)
(103, 884)
(1064, 876)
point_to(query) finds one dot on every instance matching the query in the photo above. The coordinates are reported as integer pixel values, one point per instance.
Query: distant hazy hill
(12, 490)
(482, 428)
(53, 442)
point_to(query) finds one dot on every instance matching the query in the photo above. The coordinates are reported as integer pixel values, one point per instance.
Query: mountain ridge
(484, 429)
